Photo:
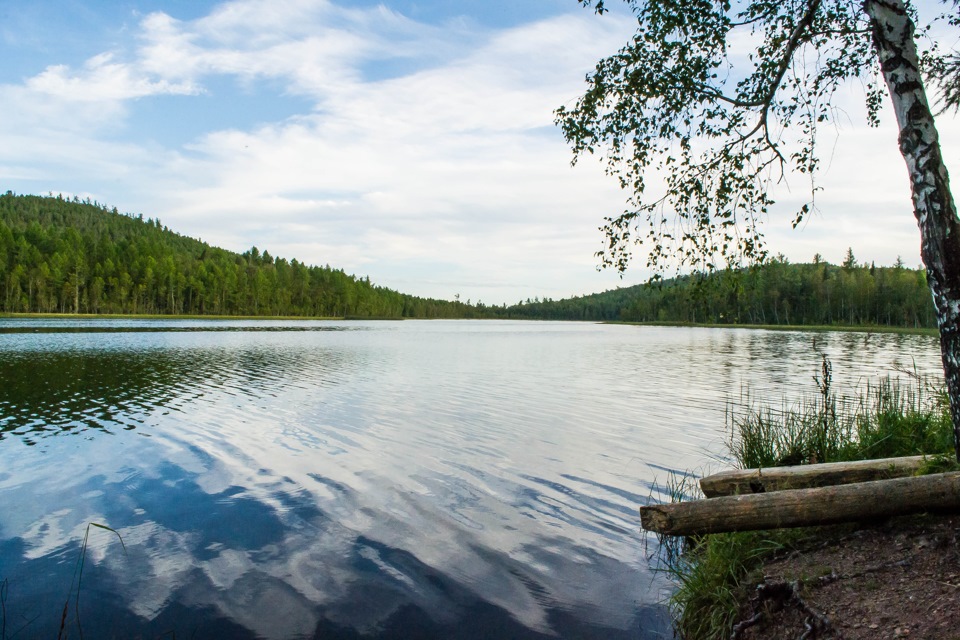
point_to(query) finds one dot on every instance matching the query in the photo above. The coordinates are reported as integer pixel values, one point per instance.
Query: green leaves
(704, 110)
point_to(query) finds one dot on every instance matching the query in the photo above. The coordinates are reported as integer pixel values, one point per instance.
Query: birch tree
(721, 100)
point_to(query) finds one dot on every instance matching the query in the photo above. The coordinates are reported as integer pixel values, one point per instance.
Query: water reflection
(95, 386)
(436, 480)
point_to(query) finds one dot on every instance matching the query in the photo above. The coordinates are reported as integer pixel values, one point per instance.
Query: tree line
(67, 256)
(62, 255)
(777, 293)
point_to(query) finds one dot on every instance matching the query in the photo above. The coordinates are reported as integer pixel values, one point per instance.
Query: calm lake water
(417, 479)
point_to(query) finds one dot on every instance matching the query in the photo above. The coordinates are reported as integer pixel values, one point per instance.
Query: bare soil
(895, 579)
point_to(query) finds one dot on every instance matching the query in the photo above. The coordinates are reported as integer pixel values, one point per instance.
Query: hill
(776, 293)
(67, 256)
(63, 256)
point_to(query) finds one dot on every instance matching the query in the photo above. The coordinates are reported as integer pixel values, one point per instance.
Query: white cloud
(103, 80)
(454, 163)
(451, 165)
(425, 157)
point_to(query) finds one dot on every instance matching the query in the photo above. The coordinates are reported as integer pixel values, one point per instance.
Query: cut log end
(655, 518)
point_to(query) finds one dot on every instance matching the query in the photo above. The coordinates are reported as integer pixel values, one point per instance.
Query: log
(740, 481)
(806, 507)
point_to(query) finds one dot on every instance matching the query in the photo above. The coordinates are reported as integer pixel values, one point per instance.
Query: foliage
(608, 305)
(718, 100)
(77, 257)
(776, 293)
(779, 293)
(74, 257)
(944, 71)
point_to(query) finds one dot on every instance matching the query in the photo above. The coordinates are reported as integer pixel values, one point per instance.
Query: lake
(322, 479)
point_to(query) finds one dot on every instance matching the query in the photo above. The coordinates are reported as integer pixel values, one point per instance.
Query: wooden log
(742, 481)
(806, 507)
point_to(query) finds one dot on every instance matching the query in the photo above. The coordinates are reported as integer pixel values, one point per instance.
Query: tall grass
(888, 418)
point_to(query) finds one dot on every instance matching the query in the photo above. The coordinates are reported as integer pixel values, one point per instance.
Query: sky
(409, 141)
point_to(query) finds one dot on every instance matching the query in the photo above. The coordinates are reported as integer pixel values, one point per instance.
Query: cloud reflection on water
(449, 477)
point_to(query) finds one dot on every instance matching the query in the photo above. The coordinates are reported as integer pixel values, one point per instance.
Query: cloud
(309, 65)
(103, 80)
(457, 164)
(425, 156)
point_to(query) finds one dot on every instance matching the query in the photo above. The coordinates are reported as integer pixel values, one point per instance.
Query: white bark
(933, 204)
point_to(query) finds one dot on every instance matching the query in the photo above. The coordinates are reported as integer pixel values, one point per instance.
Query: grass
(889, 418)
(885, 419)
(710, 581)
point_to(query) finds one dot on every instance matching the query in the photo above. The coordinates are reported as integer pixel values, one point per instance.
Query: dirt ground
(895, 579)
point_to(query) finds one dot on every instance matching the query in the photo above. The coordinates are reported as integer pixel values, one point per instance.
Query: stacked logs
(806, 495)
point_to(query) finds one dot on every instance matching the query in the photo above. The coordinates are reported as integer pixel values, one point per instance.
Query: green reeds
(885, 419)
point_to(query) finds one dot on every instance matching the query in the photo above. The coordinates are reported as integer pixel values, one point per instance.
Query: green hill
(61, 256)
(776, 293)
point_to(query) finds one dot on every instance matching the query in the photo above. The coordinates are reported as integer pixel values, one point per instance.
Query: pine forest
(67, 256)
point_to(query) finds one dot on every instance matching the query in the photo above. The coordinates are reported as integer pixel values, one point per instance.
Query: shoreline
(820, 328)
(681, 325)
(153, 316)
(759, 585)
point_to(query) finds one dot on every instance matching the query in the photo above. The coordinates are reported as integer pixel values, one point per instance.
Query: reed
(890, 417)
(77, 580)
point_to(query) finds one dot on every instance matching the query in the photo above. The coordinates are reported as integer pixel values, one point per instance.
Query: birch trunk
(933, 204)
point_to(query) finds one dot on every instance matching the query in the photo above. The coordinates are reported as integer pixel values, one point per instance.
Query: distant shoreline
(689, 325)
(151, 316)
(821, 328)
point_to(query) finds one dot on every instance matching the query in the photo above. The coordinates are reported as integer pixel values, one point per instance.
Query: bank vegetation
(892, 417)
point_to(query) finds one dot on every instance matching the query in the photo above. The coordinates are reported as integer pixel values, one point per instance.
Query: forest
(775, 293)
(66, 256)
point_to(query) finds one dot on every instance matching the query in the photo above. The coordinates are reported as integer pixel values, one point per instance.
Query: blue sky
(409, 141)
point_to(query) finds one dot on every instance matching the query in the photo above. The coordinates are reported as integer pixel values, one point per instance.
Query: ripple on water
(330, 479)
